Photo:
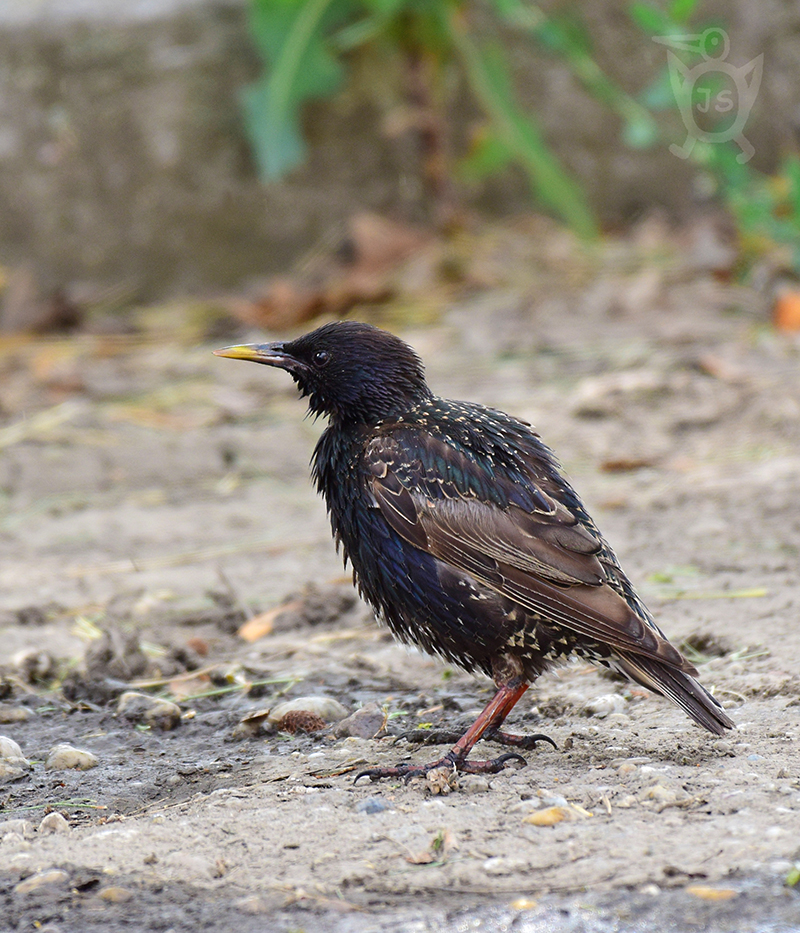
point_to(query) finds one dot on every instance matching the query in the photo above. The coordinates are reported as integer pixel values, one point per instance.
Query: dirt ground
(157, 493)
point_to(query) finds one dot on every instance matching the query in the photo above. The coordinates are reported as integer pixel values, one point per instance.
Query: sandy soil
(151, 489)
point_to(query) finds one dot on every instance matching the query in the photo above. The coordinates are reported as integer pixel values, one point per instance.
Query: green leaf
(290, 36)
(573, 42)
(488, 156)
(277, 144)
(491, 84)
(380, 16)
(650, 18)
(791, 170)
(659, 95)
(639, 133)
(681, 10)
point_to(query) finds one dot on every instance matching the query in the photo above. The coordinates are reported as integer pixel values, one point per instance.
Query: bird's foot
(407, 771)
(520, 741)
(441, 737)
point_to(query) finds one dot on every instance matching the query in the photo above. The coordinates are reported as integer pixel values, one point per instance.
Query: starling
(465, 537)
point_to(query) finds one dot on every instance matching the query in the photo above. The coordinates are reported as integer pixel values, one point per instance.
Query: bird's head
(352, 372)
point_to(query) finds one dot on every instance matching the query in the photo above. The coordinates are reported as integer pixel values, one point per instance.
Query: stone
(115, 894)
(9, 713)
(54, 823)
(152, 711)
(606, 704)
(13, 764)
(65, 757)
(23, 827)
(9, 748)
(327, 709)
(10, 772)
(42, 879)
(364, 723)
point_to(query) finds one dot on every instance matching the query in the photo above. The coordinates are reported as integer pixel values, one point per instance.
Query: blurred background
(160, 148)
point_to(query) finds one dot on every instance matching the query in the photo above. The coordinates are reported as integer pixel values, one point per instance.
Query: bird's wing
(541, 557)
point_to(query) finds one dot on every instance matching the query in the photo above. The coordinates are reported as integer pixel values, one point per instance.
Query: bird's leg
(490, 719)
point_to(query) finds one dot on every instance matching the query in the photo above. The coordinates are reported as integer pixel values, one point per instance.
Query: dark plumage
(463, 534)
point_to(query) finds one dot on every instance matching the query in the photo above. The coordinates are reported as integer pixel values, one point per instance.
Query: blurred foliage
(306, 46)
(766, 208)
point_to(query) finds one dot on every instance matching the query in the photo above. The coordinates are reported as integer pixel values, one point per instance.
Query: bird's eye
(322, 357)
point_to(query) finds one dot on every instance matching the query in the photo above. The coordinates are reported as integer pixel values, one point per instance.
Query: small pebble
(54, 823)
(42, 879)
(371, 805)
(115, 894)
(364, 723)
(10, 772)
(13, 765)
(196, 866)
(324, 707)
(9, 748)
(9, 713)
(622, 720)
(524, 903)
(525, 805)
(475, 784)
(23, 827)
(500, 865)
(554, 800)
(19, 859)
(254, 905)
(660, 794)
(353, 744)
(15, 841)
(33, 664)
(606, 704)
(140, 707)
(64, 757)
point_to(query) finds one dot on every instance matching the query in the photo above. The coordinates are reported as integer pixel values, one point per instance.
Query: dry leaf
(711, 894)
(362, 267)
(198, 645)
(262, 624)
(547, 817)
(786, 311)
(625, 464)
(182, 687)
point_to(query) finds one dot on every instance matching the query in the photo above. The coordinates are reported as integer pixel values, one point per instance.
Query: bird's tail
(679, 687)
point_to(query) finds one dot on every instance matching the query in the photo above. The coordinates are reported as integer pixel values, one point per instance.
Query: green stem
(524, 139)
(288, 62)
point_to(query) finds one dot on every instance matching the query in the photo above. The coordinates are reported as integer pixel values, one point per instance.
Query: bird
(466, 537)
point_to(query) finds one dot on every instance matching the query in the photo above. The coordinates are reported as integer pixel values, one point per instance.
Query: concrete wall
(123, 157)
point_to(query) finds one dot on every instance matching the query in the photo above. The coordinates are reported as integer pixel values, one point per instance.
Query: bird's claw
(521, 741)
(442, 737)
(409, 771)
